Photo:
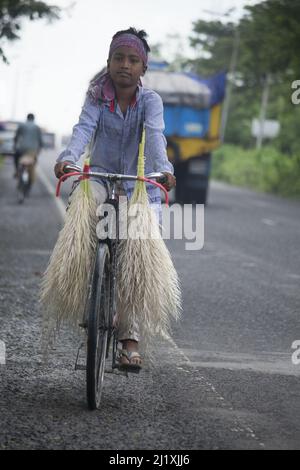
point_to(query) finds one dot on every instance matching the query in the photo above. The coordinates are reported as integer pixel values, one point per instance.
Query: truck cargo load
(192, 115)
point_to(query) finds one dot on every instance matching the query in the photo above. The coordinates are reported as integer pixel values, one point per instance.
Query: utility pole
(231, 72)
(263, 110)
(15, 94)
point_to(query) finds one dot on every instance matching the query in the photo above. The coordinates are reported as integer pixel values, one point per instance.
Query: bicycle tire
(98, 326)
(24, 184)
(20, 188)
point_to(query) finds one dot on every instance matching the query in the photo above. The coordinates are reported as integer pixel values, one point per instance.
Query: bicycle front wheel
(98, 326)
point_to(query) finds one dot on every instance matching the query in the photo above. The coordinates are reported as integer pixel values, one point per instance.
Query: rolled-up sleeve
(82, 132)
(156, 144)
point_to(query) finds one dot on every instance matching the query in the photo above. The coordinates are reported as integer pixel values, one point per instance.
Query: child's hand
(59, 168)
(171, 181)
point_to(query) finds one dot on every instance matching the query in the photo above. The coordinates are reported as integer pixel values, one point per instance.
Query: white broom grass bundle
(148, 285)
(65, 282)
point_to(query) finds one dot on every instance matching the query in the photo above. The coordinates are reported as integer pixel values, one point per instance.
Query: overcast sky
(51, 65)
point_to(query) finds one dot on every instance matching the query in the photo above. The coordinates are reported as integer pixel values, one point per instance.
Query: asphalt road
(226, 381)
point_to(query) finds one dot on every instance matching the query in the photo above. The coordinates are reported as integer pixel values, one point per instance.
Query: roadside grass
(266, 170)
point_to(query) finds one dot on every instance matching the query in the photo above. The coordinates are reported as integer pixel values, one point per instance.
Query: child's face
(125, 67)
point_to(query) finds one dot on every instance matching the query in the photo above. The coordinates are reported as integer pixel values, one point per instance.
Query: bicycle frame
(113, 199)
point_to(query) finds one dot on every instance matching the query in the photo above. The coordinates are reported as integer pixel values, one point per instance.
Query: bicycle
(25, 176)
(100, 311)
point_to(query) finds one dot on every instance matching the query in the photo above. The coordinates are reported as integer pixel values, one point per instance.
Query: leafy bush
(266, 170)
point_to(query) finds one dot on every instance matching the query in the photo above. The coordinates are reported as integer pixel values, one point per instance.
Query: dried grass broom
(148, 286)
(65, 282)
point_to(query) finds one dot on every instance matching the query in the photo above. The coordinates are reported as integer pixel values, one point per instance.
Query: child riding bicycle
(115, 110)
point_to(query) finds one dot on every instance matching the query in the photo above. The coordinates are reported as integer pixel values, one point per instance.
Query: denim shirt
(116, 138)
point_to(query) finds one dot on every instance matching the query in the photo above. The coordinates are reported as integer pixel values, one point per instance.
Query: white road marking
(239, 427)
(51, 190)
(269, 222)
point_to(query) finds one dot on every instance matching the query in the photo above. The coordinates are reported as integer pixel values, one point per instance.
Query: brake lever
(71, 168)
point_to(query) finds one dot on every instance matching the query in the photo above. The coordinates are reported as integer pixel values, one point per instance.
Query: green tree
(269, 41)
(269, 45)
(214, 42)
(271, 32)
(13, 12)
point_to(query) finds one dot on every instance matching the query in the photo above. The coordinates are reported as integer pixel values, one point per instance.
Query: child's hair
(141, 34)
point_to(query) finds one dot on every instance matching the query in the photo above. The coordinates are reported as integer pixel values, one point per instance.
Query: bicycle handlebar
(114, 176)
(74, 170)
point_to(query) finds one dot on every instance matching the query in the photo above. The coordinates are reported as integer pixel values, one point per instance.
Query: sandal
(129, 355)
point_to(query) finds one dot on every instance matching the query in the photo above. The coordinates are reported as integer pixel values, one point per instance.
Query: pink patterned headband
(129, 40)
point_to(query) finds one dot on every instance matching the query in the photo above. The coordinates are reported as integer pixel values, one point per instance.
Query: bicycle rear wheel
(24, 184)
(98, 326)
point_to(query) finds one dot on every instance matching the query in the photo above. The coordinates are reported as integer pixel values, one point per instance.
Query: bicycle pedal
(80, 367)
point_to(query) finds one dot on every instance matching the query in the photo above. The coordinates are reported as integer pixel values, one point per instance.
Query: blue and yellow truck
(192, 113)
